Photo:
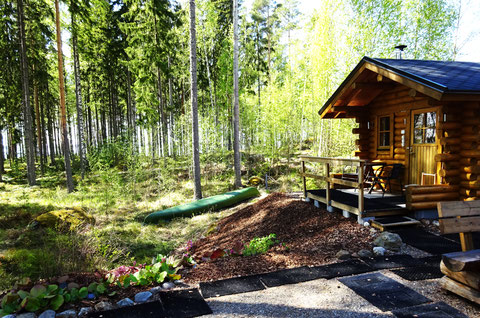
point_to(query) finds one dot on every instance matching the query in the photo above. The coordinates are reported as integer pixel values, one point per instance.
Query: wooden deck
(374, 204)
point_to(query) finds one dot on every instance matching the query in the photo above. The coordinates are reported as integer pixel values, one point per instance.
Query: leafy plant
(260, 245)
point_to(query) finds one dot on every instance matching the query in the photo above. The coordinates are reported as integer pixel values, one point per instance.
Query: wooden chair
(385, 175)
(462, 269)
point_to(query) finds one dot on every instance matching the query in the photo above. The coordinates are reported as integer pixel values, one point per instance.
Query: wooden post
(466, 240)
(361, 171)
(304, 180)
(327, 192)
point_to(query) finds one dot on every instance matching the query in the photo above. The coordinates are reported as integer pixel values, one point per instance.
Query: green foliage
(260, 245)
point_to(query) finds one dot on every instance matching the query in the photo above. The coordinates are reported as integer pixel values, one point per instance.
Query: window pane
(384, 139)
(384, 123)
(430, 136)
(418, 136)
(431, 119)
(418, 120)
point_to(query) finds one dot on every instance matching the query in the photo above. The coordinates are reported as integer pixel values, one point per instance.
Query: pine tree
(236, 111)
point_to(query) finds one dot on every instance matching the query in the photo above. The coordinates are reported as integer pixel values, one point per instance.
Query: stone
(143, 297)
(71, 286)
(436, 223)
(168, 285)
(125, 302)
(104, 305)
(27, 315)
(67, 314)
(9, 316)
(47, 314)
(343, 255)
(389, 241)
(366, 223)
(155, 290)
(364, 254)
(70, 217)
(84, 311)
(373, 230)
(425, 221)
(379, 251)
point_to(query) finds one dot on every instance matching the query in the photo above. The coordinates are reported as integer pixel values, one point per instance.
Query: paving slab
(231, 286)
(184, 303)
(289, 276)
(435, 310)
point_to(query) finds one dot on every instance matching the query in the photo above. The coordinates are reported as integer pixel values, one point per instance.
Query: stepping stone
(231, 286)
(347, 268)
(383, 292)
(435, 310)
(152, 309)
(288, 276)
(392, 261)
(184, 303)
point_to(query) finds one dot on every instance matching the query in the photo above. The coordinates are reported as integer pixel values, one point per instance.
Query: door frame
(410, 127)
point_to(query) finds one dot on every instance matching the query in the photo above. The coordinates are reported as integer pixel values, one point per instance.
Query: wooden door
(423, 146)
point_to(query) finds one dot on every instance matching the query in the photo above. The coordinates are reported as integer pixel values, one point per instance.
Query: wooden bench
(462, 269)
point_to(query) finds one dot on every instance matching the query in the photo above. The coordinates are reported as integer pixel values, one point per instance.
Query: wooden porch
(352, 197)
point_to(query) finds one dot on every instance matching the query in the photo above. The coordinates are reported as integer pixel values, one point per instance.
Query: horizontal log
(362, 154)
(451, 148)
(469, 192)
(421, 205)
(458, 208)
(468, 198)
(449, 125)
(468, 137)
(444, 157)
(450, 133)
(470, 130)
(399, 145)
(399, 138)
(469, 145)
(400, 126)
(468, 161)
(453, 180)
(462, 261)
(402, 119)
(460, 289)
(449, 141)
(399, 151)
(448, 173)
(449, 196)
(361, 142)
(360, 131)
(470, 184)
(451, 165)
(468, 176)
(471, 169)
(441, 188)
(470, 121)
(399, 156)
(469, 278)
(470, 153)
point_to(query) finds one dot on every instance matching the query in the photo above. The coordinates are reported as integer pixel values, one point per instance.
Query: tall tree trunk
(236, 110)
(51, 136)
(63, 113)
(43, 132)
(39, 126)
(193, 90)
(78, 98)
(2, 154)
(171, 151)
(27, 111)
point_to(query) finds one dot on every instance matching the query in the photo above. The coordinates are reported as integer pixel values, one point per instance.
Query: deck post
(327, 190)
(304, 180)
(361, 173)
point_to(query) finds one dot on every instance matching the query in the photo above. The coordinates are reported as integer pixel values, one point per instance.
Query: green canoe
(214, 203)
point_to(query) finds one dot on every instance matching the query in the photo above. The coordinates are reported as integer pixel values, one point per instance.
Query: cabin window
(384, 132)
(424, 128)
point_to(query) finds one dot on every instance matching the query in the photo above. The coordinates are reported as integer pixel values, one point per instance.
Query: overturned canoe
(214, 203)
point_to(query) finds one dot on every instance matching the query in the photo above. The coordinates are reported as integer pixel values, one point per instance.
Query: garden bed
(310, 236)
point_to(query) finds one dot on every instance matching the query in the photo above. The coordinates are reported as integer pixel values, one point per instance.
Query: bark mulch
(312, 236)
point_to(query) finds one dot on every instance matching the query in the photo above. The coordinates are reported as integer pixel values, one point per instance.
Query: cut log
(462, 261)
(450, 133)
(433, 197)
(468, 176)
(453, 180)
(421, 205)
(398, 145)
(360, 131)
(399, 126)
(451, 148)
(399, 156)
(451, 165)
(471, 279)
(402, 120)
(362, 154)
(431, 189)
(471, 169)
(448, 173)
(399, 138)
(399, 151)
(444, 157)
(460, 289)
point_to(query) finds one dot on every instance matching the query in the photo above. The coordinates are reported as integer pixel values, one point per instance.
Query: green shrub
(260, 245)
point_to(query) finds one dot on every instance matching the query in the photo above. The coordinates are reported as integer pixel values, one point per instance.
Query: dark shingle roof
(449, 76)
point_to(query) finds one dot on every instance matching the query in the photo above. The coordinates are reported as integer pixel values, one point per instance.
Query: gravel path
(322, 298)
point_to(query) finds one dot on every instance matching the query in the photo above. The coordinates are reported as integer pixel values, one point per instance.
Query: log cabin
(424, 115)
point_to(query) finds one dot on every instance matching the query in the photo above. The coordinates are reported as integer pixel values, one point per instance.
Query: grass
(119, 201)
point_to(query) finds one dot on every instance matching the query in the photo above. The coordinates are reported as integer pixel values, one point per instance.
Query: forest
(96, 109)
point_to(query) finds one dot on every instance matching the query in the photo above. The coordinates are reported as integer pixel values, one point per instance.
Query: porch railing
(328, 163)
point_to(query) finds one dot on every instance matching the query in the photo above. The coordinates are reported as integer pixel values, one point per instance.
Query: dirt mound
(313, 237)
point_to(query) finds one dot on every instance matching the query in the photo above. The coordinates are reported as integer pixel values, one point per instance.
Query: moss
(72, 218)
